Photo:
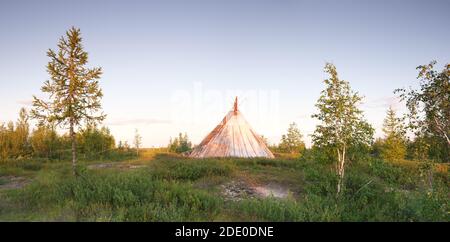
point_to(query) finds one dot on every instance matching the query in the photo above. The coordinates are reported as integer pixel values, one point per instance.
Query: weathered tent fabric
(233, 137)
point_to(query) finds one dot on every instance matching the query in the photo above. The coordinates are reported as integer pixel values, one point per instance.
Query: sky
(175, 66)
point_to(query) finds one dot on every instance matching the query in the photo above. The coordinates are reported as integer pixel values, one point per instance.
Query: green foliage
(393, 149)
(14, 138)
(73, 89)
(428, 147)
(95, 143)
(319, 180)
(175, 188)
(122, 197)
(358, 153)
(46, 142)
(17, 143)
(150, 200)
(429, 107)
(180, 144)
(190, 169)
(342, 124)
(393, 146)
(364, 199)
(389, 173)
(322, 155)
(21, 141)
(393, 126)
(292, 141)
(21, 167)
(311, 208)
(271, 209)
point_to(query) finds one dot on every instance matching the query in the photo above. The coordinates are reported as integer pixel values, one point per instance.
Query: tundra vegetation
(344, 176)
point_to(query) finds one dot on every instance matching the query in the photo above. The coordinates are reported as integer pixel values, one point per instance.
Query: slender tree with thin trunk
(137, 141)
(342, 123)
(73, 89)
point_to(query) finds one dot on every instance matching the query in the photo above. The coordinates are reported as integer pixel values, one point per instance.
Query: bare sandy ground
(237, 190)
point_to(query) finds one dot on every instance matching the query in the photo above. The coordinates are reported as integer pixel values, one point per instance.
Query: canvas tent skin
(233, 137)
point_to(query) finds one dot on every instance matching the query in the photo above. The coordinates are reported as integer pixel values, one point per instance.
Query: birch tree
(342, 123)
(73, 89)
(137, 141)
(429, 106)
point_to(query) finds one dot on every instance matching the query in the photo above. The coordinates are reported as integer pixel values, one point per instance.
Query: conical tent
(233, 137)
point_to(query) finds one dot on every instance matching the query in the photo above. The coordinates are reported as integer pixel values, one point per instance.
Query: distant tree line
(14, 142)
(19, 141)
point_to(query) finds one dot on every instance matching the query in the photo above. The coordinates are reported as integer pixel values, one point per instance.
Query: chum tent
(233, 137)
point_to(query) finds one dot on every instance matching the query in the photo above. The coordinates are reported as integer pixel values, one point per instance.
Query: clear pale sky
(174, 66)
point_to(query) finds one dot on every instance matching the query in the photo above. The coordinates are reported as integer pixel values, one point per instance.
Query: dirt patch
(238, 190)
(13, 182)
(136, 166)
(101, 166)
(273, 190)
(114, 165)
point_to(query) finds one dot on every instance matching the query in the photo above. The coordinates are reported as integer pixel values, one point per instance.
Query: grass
(168, 187)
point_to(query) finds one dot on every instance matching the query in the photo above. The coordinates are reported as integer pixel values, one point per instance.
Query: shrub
(121, 197)
(311, 208)
(189, 169)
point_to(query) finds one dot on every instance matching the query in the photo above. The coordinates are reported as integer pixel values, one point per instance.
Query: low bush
(190, 169)
(121, 197)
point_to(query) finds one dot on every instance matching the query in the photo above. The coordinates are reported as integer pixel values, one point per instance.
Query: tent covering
(233, 137)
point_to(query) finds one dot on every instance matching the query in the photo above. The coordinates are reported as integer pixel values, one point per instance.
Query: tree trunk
(338, 169)
(341, 169)
(444, 133)
(74, 148)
